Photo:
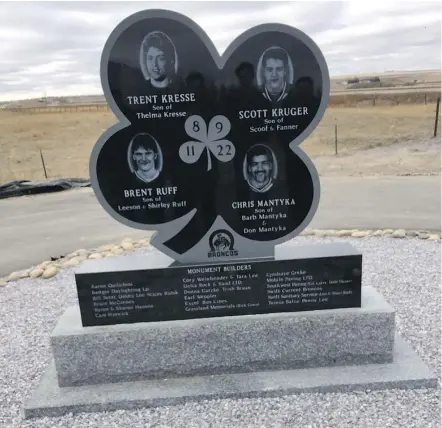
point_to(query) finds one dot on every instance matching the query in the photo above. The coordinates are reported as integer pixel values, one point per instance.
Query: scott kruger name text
(274, 112)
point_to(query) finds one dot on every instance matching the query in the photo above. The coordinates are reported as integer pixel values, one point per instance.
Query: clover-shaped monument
(207, 153)
(206, 148)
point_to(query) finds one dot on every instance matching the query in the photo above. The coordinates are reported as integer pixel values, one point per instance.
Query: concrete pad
(231, 344)
(407, 371)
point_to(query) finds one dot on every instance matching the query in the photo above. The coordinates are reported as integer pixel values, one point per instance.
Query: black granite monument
(206, 153)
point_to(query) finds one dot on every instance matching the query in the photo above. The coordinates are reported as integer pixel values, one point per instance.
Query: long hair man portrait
(158, 60)
(145, 157)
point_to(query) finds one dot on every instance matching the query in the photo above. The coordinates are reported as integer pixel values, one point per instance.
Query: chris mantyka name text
(264, 203)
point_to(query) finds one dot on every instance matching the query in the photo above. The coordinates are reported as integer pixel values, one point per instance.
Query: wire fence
(335, 100)
(383, 99)
(59, 146)
(60, 109)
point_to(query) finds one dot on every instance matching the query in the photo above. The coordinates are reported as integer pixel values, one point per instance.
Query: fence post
(436, 119)
(425, 99)
(374, 101)
(43, 163)
(336, 139)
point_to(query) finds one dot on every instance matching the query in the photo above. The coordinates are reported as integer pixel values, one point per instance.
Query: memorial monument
(207, 153)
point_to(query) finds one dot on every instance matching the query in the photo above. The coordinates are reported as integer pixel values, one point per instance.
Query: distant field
(383, 97)
(398, 87)
(66, 139)
(344, 98)
(398, 80)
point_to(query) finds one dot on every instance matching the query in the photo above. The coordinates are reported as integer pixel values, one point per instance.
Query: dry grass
(368, 127)
(379, 98)
(66, 139)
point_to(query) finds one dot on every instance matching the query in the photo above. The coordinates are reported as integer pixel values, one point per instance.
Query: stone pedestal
(155, 350)
(163, 363)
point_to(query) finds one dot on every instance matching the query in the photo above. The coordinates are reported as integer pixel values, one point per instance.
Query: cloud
(55, 47)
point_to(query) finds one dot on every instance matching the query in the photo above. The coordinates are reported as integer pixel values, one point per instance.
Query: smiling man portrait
(158, 60)
(145, 158)
(260, 168)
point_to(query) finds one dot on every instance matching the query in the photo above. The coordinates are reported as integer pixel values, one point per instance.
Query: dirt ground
(372, 140)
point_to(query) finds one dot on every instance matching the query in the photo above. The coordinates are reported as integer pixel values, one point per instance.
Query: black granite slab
(143, 292)
(204, 139)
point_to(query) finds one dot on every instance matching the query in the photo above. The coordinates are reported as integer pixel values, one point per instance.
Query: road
(34, 228)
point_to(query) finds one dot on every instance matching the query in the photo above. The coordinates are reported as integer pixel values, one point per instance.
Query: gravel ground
(405, 271)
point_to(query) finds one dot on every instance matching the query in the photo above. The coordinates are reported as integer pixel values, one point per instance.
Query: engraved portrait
(275, 74)
(158, 60)
(260, 168)
(145, 157)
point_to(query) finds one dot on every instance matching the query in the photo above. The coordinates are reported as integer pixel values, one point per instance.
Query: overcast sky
(55, 47)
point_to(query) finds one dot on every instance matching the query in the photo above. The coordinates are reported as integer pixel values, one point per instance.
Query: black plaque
(215, 290)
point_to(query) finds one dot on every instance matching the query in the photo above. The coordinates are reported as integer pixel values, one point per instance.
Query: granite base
(406, 371)
(237, 344)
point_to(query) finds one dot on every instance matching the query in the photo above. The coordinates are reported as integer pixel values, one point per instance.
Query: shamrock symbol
(212, 140)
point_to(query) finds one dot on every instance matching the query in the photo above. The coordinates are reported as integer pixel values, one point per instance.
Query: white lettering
(252, 114)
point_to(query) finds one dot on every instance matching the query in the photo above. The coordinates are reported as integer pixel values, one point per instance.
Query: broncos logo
(221, 243)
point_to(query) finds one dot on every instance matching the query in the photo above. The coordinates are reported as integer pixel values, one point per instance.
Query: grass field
(395, 79)
(66, 141)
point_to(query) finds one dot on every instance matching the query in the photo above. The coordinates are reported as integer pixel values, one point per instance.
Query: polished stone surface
(146, 289)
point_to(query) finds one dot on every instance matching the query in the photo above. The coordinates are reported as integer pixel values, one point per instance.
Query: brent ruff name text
(155, 99)
(159, 191)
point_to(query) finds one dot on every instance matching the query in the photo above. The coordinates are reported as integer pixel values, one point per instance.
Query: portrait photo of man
(158, 60)
(275, 74)
(145, 158)
(260, 168)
